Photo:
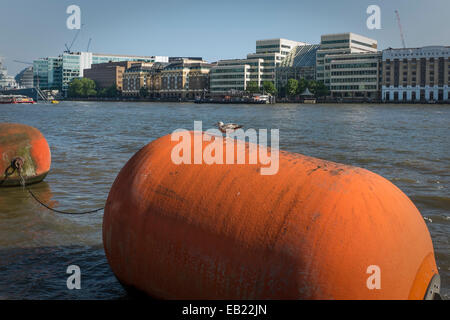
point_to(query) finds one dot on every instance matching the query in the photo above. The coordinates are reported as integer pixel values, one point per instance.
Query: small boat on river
(14, 99)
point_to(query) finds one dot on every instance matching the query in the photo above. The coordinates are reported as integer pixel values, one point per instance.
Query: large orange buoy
(25, 147)
(314, 230)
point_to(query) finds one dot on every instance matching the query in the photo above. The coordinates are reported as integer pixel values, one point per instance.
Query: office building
(185, 78)
(136, 77)
(108, 74)
(299, 63)
(24, 78)
(58, 72)
(349, 65)
(48, 73)
(416, 74)
(231, 77)
(273, 51)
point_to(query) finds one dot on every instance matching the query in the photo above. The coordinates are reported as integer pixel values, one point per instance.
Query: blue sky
(212, 29)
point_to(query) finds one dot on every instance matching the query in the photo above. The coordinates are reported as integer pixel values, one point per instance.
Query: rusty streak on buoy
(25, 146)
(311, 231)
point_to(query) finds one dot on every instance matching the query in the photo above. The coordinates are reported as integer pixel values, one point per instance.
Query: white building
(6, 81)
(273, 51)
(234, 75)
(416, 74)
(349, 65)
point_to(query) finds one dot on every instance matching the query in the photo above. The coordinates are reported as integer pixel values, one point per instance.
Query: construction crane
(73, 41)
(24, 62)
(89, 43)
(400, 27)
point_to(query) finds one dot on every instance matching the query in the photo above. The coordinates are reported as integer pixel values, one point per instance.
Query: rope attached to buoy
(17, 164)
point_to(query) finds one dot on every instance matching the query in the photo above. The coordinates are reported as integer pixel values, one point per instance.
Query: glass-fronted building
(299, 63)
(48, 73)
(273, 51)
(58, 72)
(232, 76)
(350, 65)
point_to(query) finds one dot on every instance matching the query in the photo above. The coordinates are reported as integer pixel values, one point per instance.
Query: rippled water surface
(90, 142)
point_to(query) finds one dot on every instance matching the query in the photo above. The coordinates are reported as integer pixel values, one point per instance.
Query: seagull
(227, 127)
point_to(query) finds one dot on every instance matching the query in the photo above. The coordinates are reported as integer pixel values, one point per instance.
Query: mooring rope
(17, 164)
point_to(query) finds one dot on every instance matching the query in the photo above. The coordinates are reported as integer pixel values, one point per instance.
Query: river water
(91, 141)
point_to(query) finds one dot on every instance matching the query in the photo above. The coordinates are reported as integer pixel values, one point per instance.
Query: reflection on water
(90, 142)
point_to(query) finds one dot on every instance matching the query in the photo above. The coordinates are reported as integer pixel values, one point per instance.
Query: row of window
(231, 70)
(218, 83)
(269, 46)
(334, 41)
(354, 87)
(341, 80)
(353, 72)
(354, 65)
(364, 44)
(230, 76)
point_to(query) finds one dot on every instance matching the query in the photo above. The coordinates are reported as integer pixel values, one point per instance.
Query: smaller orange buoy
(23, 147)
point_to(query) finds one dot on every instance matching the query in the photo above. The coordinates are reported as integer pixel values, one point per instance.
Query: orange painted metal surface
(223, 231)
(26, 142)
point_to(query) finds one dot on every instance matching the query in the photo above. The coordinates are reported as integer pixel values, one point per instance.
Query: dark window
(396, 72)
(441, 73)
(423, 67)
(422, 94)
(395, 96)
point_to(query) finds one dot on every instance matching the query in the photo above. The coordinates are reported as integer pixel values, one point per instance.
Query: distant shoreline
(378, 102)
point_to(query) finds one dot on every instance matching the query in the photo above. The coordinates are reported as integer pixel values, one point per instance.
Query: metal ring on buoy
(24, 146)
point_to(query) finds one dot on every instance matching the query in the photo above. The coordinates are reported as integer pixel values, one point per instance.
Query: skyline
(211, 30)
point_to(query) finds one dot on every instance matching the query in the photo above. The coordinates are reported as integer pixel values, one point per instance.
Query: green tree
(83, 87)
(75, 88)
(101, 92)
(318, 88)
(252, 87)
(269, 87)
(88, 87)
(112, 91)
(302, 85)
(291, 87)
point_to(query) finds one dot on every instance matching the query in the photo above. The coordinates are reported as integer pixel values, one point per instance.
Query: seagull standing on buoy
(230, 127)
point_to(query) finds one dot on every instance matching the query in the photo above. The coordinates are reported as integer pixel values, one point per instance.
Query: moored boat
(13, 99)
